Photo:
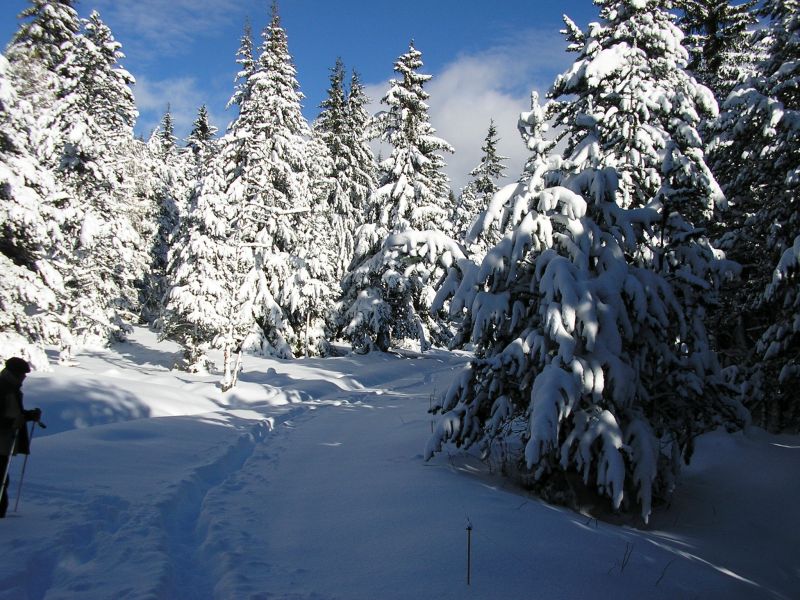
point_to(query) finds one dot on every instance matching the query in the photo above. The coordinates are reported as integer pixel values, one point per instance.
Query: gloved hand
(33, 415)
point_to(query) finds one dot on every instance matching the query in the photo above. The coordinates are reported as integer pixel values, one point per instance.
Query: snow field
(307, 481)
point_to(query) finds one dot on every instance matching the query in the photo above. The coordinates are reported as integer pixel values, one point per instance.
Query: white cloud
(181, 94)
(153, 27)
(494, 84)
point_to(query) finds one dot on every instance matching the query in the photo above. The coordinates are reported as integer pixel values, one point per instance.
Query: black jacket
(10, 407)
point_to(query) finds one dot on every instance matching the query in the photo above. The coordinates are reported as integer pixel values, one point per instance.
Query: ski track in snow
(175, 527)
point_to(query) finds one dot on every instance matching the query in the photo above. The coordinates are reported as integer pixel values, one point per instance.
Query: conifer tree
(358, 135)
(476, 195)
(163, 141)
(756, 154)
(38, 48)
(203, 273)
(330, 128)
(588, 315)
(718, 41)
(247, 65)
(413, 188)
(390, 285)
(340, 126)
(262, 171)
(88, 132)
(32, 291)
(360, 131)
(201, 137)
(171, 181)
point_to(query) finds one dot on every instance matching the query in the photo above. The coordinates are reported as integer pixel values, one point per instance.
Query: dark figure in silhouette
(13, 417)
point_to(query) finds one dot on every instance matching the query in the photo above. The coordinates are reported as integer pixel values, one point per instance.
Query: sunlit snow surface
(307, 482)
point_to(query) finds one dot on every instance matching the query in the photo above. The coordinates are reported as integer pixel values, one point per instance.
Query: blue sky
(485, 57)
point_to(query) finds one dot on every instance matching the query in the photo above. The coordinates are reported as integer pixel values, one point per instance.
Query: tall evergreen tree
(247, 65)
(756, 154)
(718, 41)
(476, 195)
(341, 127)
(330, 128)
(202, 135)
(172, 178)
(203, 273)
(262, 171)
(358, 135)
(38, 48)
(588, 315)
(32, 292)
(413, 188)
(88, 134)
(163, 141)
(402, 254)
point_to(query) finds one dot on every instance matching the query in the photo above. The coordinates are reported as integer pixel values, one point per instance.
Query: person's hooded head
(18, 367)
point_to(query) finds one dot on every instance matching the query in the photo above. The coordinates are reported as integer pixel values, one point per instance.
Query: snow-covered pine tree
(491, 167)
(478, 192)
(358, 135)
(315, 257)
(172, 178)
(32, 291)
(329, 131)
(779, 346)
(341, 127)
(413, 188)
(388, 290)
(86, 138)
(38, 48)
(201, 138)
(360, 131)
(278, 189)
(756, 155)
(203, 272)
(718, 41)
(591, 351)
(162, 141)
(262, 173)
(247, 64)
(196, 287)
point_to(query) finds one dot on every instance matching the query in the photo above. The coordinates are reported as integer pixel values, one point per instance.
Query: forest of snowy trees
(635, 287)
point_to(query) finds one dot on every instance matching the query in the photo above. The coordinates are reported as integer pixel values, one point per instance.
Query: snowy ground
(307, 482)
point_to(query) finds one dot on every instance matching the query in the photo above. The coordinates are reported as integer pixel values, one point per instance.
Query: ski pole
(8, 462)
(25, 462)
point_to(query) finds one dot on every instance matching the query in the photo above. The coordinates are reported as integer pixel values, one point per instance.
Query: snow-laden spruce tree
(413, 189)
(756, 155)
(592, 358)
(172, 176)
(778, 347)
(85, 137)
(718, 39)
(342, 127)
(204, 274)
(388, 290)
(163, 142)
(357, 135)
(38, 48)
(475, 196)
(197, 291)
(245, 58)
(32, 291)
(261, 171)
(279, 191)
(201, 139)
